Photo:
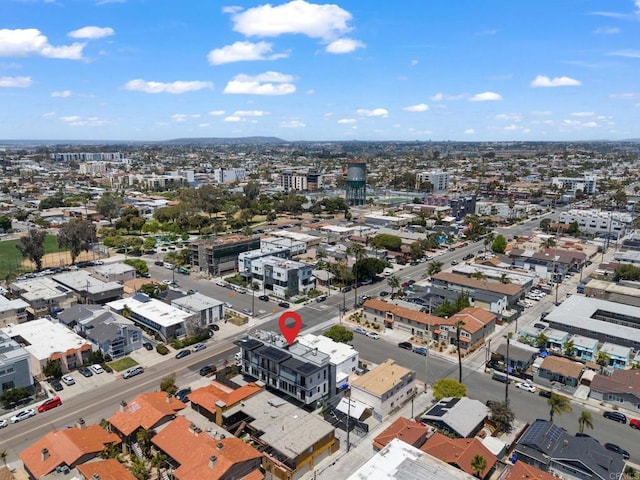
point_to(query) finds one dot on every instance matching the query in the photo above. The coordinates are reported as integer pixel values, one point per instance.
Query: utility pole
(348, 421)
(506, 385)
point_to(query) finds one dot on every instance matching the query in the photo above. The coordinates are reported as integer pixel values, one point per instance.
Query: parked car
(545, 393)
(321, 298)
(97, 368)
(360, 330)
(23, 415)
(384, 293)
(346, 289)
(199, 346)
(148, 345)
(615, 416)
(247, 311)
(454, 262)
(468, 256)
(85, 372)
(635, 423)
(3, 423)
(264, 298)
(56, 385)
(284, 304)
(183, 395)
(214, 326)
(53, 402)
(208, 370)
(373, 335)
(132, 372)
(405, 345)
(228, 304)
(617, 449)
(68, 380)
(421, 351)
(526, 386)
(540, 326)
(183, 353)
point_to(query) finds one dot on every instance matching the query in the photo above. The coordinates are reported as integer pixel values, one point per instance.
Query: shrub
(162, 349)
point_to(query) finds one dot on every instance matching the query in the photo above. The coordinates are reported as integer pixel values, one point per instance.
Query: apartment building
(217, 256)
(282, 277)
(587, 184)
(598, 223)
(439, 180)
(15, 370)
(229, 175)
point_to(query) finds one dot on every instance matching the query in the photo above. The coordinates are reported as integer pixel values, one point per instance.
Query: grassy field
(11, 259)
(122, 364)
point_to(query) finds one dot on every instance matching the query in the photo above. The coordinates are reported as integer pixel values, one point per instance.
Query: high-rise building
(356, 182)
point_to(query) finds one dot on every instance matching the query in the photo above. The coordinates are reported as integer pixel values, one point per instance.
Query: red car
(49, 404)
(635, 423)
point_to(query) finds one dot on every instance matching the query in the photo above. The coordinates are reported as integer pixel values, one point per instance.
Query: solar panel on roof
(141, 297)
(542, 433)
(61, 289)
(306, 368)
(275, 354)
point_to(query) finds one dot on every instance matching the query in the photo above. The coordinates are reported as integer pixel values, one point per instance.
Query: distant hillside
(225, 141)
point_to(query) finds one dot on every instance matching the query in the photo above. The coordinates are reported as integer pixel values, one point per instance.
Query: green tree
(340, 334)
(499, 245)
(52, 369)
(13, 395)
(272, 216)
(585, 420)
(478, 465)
(108, 205)
(448, 387)
(502, 415)
(31, 246)
(545, 224)
(76, 235)
(358, 251)
(558, 404)
(568, 348)
(143, 438)
(434, 267)
(140, 265)
(139, 469)
(602, 359)
(368, 267)
(387, 241)
(5, 224)
(167, 384)
(394, 283)
(541, 340)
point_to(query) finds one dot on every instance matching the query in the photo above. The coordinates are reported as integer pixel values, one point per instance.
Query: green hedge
(162, 349)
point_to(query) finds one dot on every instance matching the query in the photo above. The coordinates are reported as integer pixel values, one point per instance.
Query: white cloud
(204, 125)
(77, 121)
(326, 22)
(15, 82)
(249, 113)
(583, 114)
(486, 97)
(92, 33)
(469, 131)
(30, 41)
(243, 52)
(420, 107)
(183, 117)
(376, 112)
(216, 113)
(347, 121)
(344, 45)
(231, 9)
(268, 83)
(233, 119)
(607, 31)
(542, 81)
(48, 114)
(61, 94)
(439, 97)
(292, 124)
(176, 87)
(511, 128)
(626, 53)
(311, 91)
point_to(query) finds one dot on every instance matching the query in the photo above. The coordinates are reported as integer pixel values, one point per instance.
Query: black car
(159, 263)
(207, 370)
(214, 326)
(384, 293)
(183, 353)
(284, 304)
(545, 393)
(468, 256)
(148, 345)
(615, 416)
(85, 372)
(346, 289)
(405, 345)
(56, 384)
(264, 298)
(183, 395)
(618, 449)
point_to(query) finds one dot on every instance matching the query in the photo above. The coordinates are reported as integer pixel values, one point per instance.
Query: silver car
(23, 415)
(199, 346)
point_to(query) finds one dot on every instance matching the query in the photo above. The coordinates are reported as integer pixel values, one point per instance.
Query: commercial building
(385, 388)
(460, 206)
(114, 272)
(168, 321)
(300, 181)
(207, 310)
(228, 175)
(617, 292)
(598, 223)
(15, 368)
(217, 256)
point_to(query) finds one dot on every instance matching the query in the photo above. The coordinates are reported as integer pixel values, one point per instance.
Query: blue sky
(462, 70)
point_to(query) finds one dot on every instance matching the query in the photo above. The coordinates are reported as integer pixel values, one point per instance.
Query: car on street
(284, 304)
(545, 393)
(183, 353)
(468, 256)
(85, 372)
(247, 311)
(454, 262)
(612, 447)
(346, 289)
(615, 416)
(207, 370)
(97, 368)
(539, 326)
(148, 345)
(321, 298)
(421, 351)
(214, 326)
(373, 335)
(635, 423)
(405, 345)
(23, 415)
(3, 423)
(264, 298)
(360, 330)
(228, 304)
(53, 402)
(384, 293)
(199, 346)
(132, 372)
(68, 380)
(526, 387)
(56, 384)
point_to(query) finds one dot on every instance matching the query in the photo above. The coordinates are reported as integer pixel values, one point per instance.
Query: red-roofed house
(399, 318)
(70, 447)
(109, 469)
(199, 456)
(523, 471)
(409, 431)
(460, 452)
(214, 399)
(148, 410)
(477, 324)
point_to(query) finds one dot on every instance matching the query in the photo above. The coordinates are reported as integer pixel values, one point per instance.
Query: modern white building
(280, 276)
(166, 320)
(228, 175)
(15, 369)
(587, 184)
(342, 356)
(597, 222)
(438, 179)
(385, 388)
(209, 310)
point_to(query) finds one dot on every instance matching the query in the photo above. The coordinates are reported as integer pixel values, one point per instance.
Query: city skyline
(304, 70)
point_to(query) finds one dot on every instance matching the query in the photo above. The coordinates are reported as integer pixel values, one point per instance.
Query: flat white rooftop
(152, 309)
(338, 352)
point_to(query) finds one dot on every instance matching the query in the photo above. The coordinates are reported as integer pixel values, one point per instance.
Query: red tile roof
(193, 451)
(523, 471)
(65, 447)
(145, 411)
(488, 285)
(459, 452)
(110, 469)
(404, 429)
(208, 395)
(402, 312)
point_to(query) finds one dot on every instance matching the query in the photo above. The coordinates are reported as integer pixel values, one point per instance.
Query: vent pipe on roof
(80, 424)
(123, 406)
(95, 476)
(169, 398)
(45, 454)
(220, 445)
(212, 461)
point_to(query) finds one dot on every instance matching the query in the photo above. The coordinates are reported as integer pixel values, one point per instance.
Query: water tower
(356, 182)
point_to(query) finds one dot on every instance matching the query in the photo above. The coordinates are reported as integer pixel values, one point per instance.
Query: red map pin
(290, 332)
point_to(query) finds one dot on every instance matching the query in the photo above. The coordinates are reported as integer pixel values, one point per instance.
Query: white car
(199, 346)
(526, 386)
(97, 368)
(360, 330)
(68, 380)
(228, 304)
(373, 335)
(3, 423)
(23, 415)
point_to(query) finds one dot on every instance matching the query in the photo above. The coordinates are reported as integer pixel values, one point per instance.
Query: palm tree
(541, 340)
(504, 278)
(434, 267)
(478, 275)
(602, 359)
(502, 415)
(508, 336)
(459, 325)
(585, 420)
(558, 404)
(393, 283)
(478, 464)
(568, 348)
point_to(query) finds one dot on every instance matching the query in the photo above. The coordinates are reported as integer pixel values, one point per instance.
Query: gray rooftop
(196, 302)
(462, 415)
(82, 281)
